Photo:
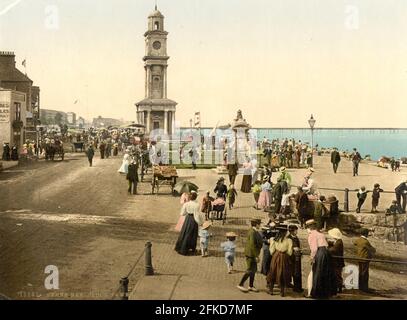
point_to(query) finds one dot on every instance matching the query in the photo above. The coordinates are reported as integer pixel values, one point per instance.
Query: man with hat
(335, 159)
(253, 246)
(285, 176)
(132, 177)
(356, 158)
(364, 250)
(90, 154)
(336, 250)
(221, 190)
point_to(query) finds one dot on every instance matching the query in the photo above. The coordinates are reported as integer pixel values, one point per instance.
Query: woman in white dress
(125, 165)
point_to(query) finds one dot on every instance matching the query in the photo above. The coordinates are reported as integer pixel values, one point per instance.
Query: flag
(197, 119)
(24, 63)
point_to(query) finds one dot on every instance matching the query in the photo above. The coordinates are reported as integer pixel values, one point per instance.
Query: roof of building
(156, 102)
(156, 13)
(13, 75)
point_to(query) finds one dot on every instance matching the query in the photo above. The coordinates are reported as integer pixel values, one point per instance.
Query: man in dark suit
(335, 159)
(296, 259)
(90, 153)
(232, 172)
(356, 158)
(252, 249)
(364, 250)
(132, 177)
(401, 193)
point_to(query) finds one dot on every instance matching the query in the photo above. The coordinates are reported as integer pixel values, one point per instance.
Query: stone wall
(380, 225)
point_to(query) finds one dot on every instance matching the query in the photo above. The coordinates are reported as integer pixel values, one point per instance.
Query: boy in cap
(364, 250)
(204, 238)
(229, 248)
(253, 246)
(362, 194)
(375, 197)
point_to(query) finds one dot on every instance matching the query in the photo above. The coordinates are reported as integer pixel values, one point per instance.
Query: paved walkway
(179, 277)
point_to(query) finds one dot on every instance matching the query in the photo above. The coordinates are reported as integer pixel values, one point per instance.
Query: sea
(374, 142)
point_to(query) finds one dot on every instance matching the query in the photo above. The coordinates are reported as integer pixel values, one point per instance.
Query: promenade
(82, 220)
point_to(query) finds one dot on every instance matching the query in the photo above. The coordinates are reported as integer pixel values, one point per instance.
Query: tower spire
(156, 5)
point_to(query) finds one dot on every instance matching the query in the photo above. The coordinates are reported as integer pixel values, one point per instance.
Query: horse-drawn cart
(163, 175)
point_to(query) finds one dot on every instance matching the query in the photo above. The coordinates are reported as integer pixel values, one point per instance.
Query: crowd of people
(280, 247)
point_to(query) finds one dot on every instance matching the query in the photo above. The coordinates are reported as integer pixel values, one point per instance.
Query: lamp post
(311, 122)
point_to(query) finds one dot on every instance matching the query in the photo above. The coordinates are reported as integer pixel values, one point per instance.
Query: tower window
(156, 25)
(156, 83)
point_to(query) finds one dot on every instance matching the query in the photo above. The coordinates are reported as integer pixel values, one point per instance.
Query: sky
(276, 60)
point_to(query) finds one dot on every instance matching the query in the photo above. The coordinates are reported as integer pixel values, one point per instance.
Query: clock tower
(156, 111)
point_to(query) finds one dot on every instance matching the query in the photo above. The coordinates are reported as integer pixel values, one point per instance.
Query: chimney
(7, 59)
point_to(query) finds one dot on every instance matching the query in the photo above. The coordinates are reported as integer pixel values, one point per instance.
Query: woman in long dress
(265, 195)
(281, 250)
(247, 177)
(323, 274)
(125, 164)
(186, 243)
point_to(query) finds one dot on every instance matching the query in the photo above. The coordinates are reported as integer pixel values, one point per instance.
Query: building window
(156, 125)
(17, 107)
(157, 25)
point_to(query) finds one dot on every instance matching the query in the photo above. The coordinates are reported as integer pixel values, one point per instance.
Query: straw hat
(231, 235)
(282, 169)
(335, 233)
(310, 222)
(206, 225)
(312, 169)
(266, 178)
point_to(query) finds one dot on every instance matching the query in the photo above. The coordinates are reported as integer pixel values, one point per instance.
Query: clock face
(157, 45)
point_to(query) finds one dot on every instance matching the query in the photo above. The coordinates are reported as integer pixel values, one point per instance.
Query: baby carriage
(218, 210)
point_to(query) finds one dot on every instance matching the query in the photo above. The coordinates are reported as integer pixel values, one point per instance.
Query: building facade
(13, 79)
(71, 118)
(156, 111)
(13, 117)
(101, 122)
(49, 117)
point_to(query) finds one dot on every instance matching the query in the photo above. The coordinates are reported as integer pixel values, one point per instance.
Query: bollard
(124, 288)
(149, 265)
(346, 200)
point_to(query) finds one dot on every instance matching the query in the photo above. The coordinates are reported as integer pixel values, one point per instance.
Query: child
(256, 189)
(204, 238)
(362, 194)
(264, 200)
(231, 194)
(375, 197)
(285, 203)
(229, 248)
